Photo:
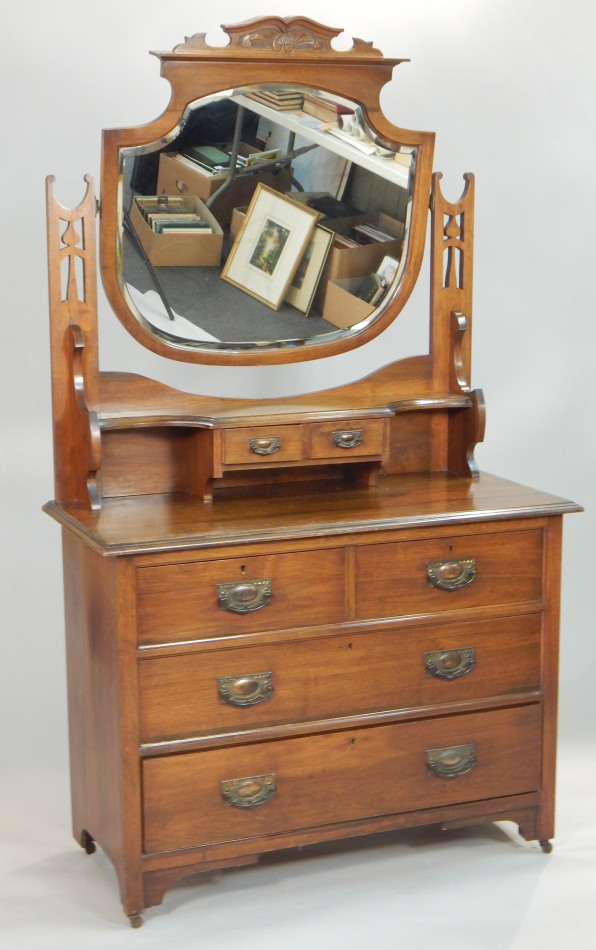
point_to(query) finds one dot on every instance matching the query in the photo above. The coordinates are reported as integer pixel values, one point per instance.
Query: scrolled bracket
(249, 792)
(451, 762)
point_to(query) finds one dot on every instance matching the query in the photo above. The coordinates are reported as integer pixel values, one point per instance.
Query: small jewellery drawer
(478, 570)
(231, 596)
(270, 788)
(262, 445)
(357, 439)
(201, 693)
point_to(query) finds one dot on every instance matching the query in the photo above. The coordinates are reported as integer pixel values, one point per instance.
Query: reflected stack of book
(325, 109)
(166, 215)
(284, 100)
(210, 157)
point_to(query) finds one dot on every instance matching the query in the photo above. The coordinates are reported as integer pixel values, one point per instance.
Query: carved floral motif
(277, 34)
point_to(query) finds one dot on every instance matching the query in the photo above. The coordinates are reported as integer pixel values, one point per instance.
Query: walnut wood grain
(341, 776)
(143, 524)
(314, 679)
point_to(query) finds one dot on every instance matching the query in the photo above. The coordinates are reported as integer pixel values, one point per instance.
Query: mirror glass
(269, 216)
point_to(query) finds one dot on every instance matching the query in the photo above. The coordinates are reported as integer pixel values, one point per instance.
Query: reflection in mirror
(272, 216)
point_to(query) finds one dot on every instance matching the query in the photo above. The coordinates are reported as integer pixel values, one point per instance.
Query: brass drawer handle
(266, 446)
(449, 664)
(250, 791)
(242, 597)
(451, 575)
(451, 762)
(247, 690)
(347, 438)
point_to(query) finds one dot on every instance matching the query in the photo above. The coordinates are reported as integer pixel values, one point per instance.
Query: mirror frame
(298, 51)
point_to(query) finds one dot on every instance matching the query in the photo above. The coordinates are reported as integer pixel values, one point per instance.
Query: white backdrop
(507, 85)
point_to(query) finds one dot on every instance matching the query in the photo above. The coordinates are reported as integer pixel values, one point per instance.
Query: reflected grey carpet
(224, 311)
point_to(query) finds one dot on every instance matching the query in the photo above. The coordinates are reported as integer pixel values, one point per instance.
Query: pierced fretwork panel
(72, 262)
(452, 265)
(454, 250)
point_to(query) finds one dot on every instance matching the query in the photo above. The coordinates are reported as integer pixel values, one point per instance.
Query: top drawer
(262, 445)
(476, 570)
(233, 596)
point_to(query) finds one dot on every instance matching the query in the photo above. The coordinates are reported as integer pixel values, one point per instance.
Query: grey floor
(474, 889)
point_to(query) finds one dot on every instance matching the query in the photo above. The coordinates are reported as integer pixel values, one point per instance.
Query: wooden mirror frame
(299, 50)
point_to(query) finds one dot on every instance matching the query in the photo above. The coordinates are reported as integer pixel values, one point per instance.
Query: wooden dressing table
(305, 619)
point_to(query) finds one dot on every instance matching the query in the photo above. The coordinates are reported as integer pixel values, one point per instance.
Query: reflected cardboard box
(180, 176)
(341, 307)
(365, 258)
(200, 249)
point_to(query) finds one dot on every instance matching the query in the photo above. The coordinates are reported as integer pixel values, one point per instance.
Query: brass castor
(546, 846)
(87, 843)
(136, 920)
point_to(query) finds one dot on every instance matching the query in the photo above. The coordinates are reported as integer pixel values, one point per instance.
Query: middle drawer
(312, 679)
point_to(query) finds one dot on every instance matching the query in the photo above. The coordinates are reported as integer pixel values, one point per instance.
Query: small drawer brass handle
(347, 438)
(242, 597)
(247, 690)
(449, 664)
(250, 791)
(451, 762)
(265, 446)
(451, 575)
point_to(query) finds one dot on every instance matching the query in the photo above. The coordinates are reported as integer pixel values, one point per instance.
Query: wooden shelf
(386, 168)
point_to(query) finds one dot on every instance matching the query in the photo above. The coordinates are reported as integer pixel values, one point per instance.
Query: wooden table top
(146, 523)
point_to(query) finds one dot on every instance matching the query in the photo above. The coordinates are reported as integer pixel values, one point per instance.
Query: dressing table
(296, 620)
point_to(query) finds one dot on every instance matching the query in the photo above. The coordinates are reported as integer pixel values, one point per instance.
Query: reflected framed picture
(305, 281)
(270, 246)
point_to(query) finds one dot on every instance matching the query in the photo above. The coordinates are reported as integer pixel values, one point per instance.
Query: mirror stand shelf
(268, 603)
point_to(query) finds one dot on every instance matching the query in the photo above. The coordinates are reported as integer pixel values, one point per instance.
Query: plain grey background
(508, 87)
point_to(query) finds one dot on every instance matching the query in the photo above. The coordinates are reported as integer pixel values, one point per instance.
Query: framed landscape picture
(270, 246)
(301, 291)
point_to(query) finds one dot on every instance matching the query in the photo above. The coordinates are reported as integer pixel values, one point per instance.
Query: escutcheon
(242, 597)
(347, 438)
(246, 690)
(450, 664)
(451, 575)
(250, 791)
(451, 762)
(265, 446)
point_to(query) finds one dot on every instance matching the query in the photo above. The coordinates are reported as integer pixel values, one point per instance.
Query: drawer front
(274, 787)
(356, 439)
(410, 577)
(262, 445)
(191, 695)
(235, 596)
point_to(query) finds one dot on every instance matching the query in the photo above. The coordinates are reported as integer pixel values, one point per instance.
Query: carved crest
(284, 35)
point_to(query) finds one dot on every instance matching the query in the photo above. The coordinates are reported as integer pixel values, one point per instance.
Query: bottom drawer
(274, 787)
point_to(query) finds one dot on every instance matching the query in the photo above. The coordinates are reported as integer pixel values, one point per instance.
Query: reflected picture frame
(270, 245)
(305, 282)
